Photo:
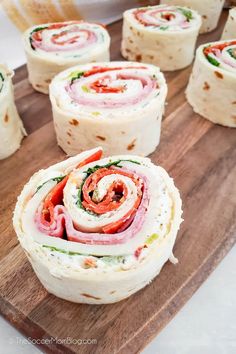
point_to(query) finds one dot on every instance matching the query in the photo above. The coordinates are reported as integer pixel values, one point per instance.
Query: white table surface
(205, 325)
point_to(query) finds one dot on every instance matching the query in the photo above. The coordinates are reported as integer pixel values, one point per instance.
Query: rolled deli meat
(229, 31)
(212, 86)
(162, 35)
(210, 10)
(54, 47)
(98, 230)
(117, 105)
(11, 127)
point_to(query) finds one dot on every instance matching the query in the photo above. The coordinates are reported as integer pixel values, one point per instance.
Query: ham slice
(66, 38)
(142, 86)
(162, 16)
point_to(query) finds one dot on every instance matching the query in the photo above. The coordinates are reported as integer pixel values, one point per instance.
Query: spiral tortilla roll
(11, 127)
(98, 230)
(210, 11)
(161, 35)
(117, 105)
(54, 47)
(229, 31)
(212, 86)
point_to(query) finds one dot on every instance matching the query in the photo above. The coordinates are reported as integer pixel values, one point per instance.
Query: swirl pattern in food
(51, 48)
(212, 86)
(209, 10)
(66, 39)
(222, 54)
(89, 218)
(162, 35)
(165, 18)
(11, 127)
(117, 105)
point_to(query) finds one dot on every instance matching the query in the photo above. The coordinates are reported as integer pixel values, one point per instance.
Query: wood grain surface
(199, 155)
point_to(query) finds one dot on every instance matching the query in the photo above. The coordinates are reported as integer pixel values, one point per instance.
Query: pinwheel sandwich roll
(98, 230)
(229, 31)
(11, 127)
(162, 35)
(212, 86)
(54, 47)
(210, 11)
(117, 105)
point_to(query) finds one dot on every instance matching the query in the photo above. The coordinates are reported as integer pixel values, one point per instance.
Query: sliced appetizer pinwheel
(229, 31)
(212, 86)
(210, 11)
(117, 105)
(54, 47)
(11, 127)
(98, 230)
(161, 35)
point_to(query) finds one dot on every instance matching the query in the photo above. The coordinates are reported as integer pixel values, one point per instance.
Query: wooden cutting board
(202, 159)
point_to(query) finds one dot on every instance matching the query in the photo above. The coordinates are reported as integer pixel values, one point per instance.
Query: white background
(206, 324)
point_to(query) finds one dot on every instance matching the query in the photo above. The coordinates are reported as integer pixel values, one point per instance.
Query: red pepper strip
(220, 46)
(37, 36)
(60, 25)
(99, 87)
(114, 226)
(139, 250)
(168, 16)
(107, 89)
(71, 40)
(55, 196)
(139, 19)
(116, 187)
(90, 263)
(94, 157)
(98, 69)
(108, 204)
(96, 176)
